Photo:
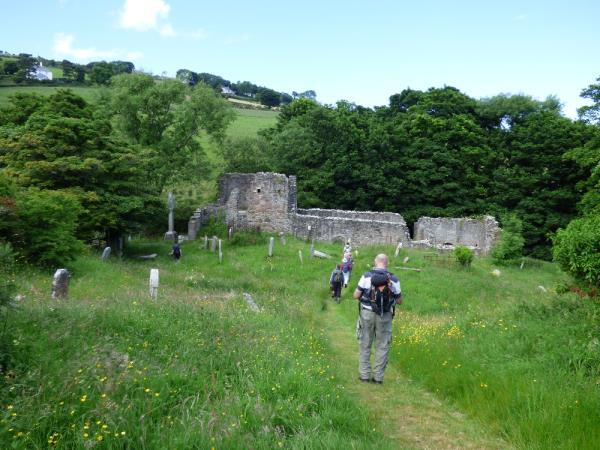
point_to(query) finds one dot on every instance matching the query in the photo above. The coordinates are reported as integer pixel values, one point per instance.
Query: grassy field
(478, 361)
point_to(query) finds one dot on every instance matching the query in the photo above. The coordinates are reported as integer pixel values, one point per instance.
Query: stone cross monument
(171, 235)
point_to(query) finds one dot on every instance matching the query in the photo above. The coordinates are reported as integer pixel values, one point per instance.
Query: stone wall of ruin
(478, 234)
(267, 201)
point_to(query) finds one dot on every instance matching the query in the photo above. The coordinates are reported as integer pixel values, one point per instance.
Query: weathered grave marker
(318, 254)
(170, 235)
(253, 306)
(213, 244)
(398, 247)
(300, 256)
(282, 238)
(205, 242)
(230, 233)
(220, 252)
(406, 259)
(60, 284)
(312, 248)
(271, 242)
(105, 253)
(153, 284)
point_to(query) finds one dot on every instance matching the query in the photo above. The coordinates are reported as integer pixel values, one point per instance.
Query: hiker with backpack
(378, 293)
(347, 268)
(176, 251)
(335, 282)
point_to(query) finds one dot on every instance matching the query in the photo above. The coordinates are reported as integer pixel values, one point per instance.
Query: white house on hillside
(226, 90)
(40, 73)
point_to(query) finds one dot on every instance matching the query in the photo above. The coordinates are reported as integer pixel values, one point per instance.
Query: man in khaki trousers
(378, 293)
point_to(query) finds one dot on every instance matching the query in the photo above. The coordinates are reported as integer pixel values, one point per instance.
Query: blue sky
(361, 51)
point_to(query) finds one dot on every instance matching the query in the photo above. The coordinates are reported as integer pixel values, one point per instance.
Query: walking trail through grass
(410, 417)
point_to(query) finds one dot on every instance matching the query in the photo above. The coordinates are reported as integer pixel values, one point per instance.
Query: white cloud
(63, 47)
(143, 15)
(152, 15)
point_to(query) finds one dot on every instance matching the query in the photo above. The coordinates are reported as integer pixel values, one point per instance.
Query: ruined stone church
(267, 201)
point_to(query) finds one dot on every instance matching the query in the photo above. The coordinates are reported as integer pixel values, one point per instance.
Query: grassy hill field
(478, 361)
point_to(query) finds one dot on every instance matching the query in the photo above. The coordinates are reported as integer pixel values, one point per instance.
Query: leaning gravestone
(253, 306)
(398, 247)
(213, 244)
(271, 242)
(60, 284)
(300, 256)
(153, 284)
(220, 252)
(106, 253)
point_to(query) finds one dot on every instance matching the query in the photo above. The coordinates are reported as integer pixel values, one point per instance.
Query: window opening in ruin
(258, 190)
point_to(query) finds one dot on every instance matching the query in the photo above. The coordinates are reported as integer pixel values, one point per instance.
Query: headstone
(318, 254)
(282, 238)
(105, 253)
(522, 264)
(271, 242)
(150, 256)
(170, 235)
(542, 288)
(230, 233)
(398, 247)
(406, 259)
(205, 242)
(220, 252)
(213, 244)
(129, 238)
(60, 284)
(312, 248)
(153, 284)
(253, 306)
(300, 256)
(309, 236)
(192, 229)
(496, 272)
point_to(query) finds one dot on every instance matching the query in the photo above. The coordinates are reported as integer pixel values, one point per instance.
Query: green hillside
(478, 361)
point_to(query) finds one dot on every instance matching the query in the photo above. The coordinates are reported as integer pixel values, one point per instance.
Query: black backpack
(380, 296)
(337, 276)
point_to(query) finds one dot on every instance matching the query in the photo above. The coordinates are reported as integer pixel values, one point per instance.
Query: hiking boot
(364, 380)
(377, 381)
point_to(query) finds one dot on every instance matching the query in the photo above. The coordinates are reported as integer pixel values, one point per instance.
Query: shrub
(577, 249)
(463, 255)
(510, 248)
(7, 292)
(48, 220)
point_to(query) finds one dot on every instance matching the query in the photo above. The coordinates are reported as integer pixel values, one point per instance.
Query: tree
(591, 113)
(268, 97)
(101, 72)
(68, 69)
(10, 67)
(285, 99)
(187, 76)
(577, 249)
(510, 248)
(246, 154)
(168, 117)
(64, 145)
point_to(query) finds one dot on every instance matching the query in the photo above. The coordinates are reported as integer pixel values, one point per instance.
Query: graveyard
(249, 351)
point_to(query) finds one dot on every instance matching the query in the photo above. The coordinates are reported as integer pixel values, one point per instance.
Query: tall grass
(195, 369)
(515, 355)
